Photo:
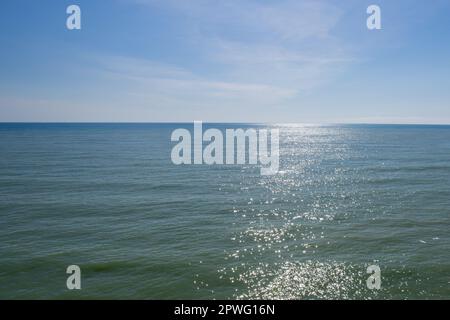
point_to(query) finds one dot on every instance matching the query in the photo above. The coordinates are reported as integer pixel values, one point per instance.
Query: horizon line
(226, 122)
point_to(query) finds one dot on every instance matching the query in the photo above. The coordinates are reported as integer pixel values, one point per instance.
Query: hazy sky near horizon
(300, 61)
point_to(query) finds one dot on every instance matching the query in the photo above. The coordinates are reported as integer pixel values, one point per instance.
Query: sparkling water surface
(107, 197)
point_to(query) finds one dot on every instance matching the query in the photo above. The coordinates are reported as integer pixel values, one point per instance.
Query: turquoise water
(106, 197)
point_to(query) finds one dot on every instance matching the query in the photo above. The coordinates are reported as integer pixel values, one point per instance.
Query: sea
(347, 200)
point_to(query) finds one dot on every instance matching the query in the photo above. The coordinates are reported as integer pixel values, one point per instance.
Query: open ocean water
(107, 197)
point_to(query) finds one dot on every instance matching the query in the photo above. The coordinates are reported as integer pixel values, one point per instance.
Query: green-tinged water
(107, 197)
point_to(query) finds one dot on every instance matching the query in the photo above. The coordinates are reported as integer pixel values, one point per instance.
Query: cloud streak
(283, 49)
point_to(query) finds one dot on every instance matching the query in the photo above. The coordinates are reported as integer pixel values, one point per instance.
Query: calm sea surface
(107, 197)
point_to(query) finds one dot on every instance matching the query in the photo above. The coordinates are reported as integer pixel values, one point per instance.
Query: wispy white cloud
(283, 49)
(285, 19)
(145, 78)
(296, 69)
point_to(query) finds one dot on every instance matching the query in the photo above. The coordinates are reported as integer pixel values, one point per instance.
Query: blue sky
(225, 61)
